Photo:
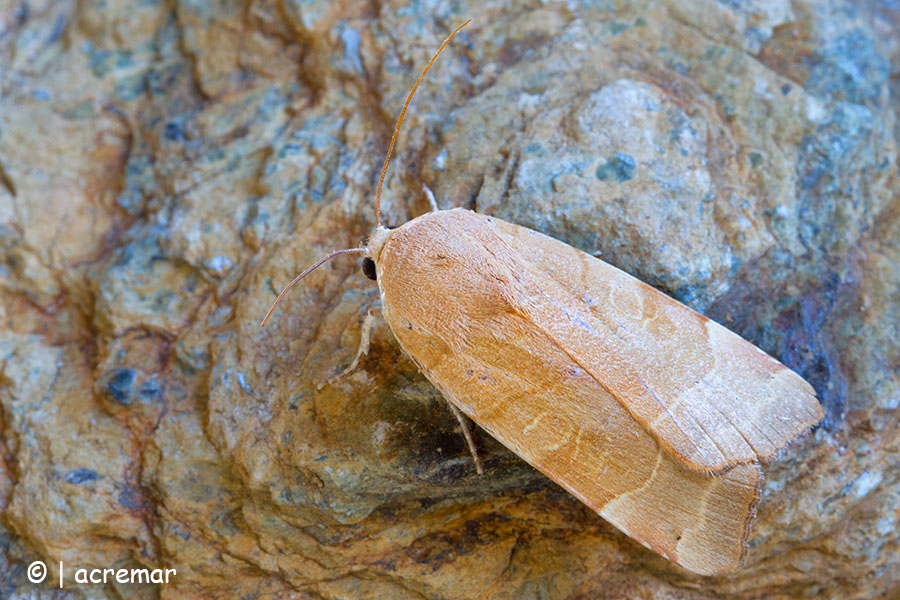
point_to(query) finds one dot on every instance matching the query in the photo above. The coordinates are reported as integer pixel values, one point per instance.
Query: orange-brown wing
(452, 305)
(712, 398)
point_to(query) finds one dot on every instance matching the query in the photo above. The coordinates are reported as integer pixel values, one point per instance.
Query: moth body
(651, 414)
(648, 412)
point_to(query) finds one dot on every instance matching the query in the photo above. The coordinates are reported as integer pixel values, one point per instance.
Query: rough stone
(165, 167)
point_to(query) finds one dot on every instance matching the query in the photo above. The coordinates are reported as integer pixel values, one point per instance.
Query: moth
(648, 412)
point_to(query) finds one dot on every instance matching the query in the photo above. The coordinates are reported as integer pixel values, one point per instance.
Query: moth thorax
(376, 242)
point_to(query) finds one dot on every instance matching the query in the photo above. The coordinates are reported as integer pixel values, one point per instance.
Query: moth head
(375, 244)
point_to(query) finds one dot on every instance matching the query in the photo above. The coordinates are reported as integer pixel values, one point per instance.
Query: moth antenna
(305, 273)
(387, 159)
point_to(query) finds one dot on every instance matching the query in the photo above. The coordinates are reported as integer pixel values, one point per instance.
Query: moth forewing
(558, 356)
(712, 398)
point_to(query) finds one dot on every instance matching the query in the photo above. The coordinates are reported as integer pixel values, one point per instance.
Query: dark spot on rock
(77, 476)
(798, 331)
(180, 532)
(516, 48)
(619, 167)
(174, 132)
(21, 13)
(59, 28)
(439, 548)
(131, 498)
(119, 385)
(786, 89)
(387, 565)
(808, 348)
(150, 391)
(756, 159)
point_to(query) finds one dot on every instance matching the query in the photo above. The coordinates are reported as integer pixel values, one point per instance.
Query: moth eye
(368, 268)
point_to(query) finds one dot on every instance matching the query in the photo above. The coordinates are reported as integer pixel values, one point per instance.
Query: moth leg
(467, 432)
(364, 339)
(430, 195)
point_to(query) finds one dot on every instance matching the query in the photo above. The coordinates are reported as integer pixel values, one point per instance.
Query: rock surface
(165, 167)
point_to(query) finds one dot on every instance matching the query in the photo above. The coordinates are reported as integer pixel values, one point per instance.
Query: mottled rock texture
(166, 166)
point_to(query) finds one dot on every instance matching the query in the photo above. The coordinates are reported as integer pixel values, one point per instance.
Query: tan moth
(648, 412)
